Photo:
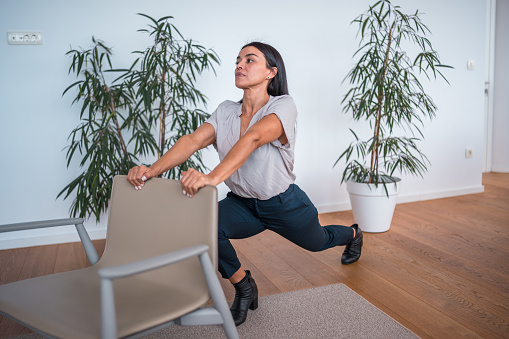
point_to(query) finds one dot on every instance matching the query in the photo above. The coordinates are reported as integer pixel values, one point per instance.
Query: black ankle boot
(246, 296)
(352, 251)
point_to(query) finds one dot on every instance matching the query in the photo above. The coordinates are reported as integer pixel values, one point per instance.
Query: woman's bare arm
(176, 155)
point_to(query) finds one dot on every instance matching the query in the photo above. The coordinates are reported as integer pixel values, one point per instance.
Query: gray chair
(157, 270)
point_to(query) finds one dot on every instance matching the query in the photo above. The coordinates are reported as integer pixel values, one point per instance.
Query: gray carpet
(333, 311)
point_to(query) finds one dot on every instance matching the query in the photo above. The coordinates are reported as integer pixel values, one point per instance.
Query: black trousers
(290, 214)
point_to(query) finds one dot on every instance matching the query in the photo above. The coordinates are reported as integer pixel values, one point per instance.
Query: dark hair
(278, 85)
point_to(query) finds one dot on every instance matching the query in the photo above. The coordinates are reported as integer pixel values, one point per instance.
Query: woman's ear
(273, 72)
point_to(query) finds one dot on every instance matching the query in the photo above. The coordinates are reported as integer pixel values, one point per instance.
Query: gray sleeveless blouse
(269, 169)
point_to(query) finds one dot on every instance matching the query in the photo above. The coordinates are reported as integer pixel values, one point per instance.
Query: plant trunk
(162, 112)
(162, 127)
(112, 105)
(374, 152)
(119, 130)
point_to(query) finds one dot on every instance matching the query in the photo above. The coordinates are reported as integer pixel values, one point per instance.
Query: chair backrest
(158, 219)
(155, 220)
(152, 221)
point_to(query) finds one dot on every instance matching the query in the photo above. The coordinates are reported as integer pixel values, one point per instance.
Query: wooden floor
(442, 270)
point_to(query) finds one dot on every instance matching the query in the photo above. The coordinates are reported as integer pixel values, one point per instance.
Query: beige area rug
(332, 311)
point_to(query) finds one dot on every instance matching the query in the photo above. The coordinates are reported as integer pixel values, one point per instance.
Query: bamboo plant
(166, 86)
(130, 114)
(386, 90)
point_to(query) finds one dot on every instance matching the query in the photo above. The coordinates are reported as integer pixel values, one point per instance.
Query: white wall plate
(24, 38)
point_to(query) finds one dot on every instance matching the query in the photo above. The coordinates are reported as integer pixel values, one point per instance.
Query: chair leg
(216, 292)
(108, 314)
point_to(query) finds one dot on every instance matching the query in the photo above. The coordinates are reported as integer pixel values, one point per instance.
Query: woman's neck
(253, 101)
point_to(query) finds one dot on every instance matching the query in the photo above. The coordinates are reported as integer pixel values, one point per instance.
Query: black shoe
(246, 296)
(352, 251)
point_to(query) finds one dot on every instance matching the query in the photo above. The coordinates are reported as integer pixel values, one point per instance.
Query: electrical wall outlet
(469, 152)
(24, 38)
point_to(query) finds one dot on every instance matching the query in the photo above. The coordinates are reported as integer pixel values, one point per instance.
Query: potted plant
(386, 90)
(121, 113)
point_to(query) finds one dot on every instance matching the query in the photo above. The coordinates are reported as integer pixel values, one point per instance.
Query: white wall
(315, 39)
(500, 154)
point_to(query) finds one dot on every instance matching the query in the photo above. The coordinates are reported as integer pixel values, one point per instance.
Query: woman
(255, 139)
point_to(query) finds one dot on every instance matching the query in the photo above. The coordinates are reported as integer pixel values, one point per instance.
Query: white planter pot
(372, 209)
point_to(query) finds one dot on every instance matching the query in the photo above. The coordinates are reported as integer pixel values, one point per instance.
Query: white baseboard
(50, 239)
(345, 206)
(342, 206)
(499, 169)
(440, 194)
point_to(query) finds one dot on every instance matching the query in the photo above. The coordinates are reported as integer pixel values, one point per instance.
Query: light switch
(470, 65)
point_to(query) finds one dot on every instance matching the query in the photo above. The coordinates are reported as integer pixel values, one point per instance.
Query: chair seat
(67, 305)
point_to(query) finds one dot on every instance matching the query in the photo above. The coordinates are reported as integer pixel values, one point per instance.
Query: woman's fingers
(187, 180)
(138, 175)
(192, 181)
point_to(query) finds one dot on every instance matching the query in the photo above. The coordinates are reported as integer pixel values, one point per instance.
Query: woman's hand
(138, 175)
(192, 181)
(176, 155)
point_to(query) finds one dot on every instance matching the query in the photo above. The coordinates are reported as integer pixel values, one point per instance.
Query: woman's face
(251, 70)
